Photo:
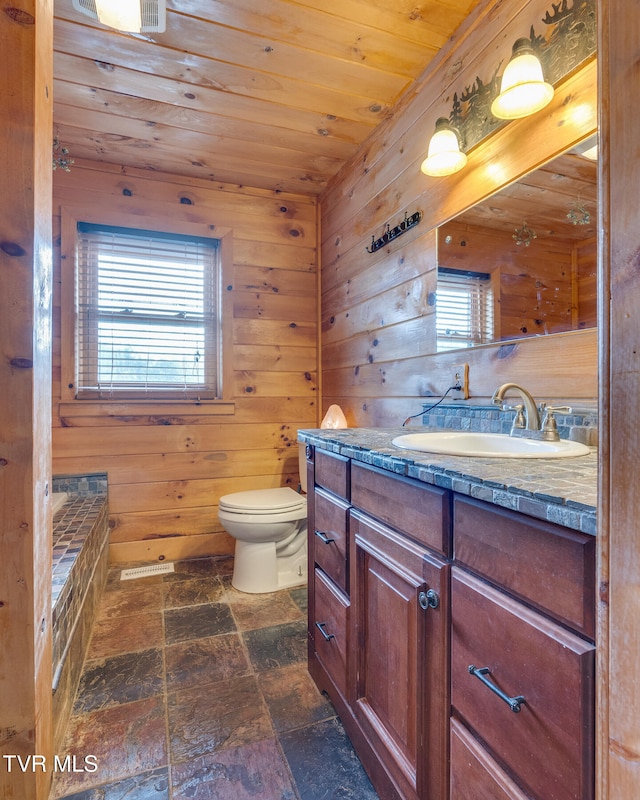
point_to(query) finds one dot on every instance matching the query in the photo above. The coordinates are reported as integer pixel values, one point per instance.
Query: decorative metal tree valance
(569, 39)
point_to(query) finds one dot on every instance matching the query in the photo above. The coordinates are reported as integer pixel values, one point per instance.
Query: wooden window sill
(144, 408)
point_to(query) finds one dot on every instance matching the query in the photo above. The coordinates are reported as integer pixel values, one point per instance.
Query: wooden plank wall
(378, 310)
(533, 286)
(169, 464)
(25, 401)
(585, 258)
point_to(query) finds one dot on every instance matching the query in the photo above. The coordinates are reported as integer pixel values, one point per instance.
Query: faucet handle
(549, 428)
(519, 421)
(557, 409)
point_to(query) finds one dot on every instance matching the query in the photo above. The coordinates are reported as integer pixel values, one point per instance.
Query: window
(148, 315)
(464, 309)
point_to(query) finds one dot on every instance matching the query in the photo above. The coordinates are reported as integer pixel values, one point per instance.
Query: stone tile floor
(194, 691)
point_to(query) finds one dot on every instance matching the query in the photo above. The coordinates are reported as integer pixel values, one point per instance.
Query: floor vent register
(144, 572)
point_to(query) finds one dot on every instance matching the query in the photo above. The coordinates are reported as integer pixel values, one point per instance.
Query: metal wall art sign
(392, 233)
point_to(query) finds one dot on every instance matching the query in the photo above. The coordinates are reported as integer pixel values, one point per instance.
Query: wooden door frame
(618, 752)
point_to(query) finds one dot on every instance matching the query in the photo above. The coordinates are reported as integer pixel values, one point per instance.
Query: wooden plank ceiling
(543, 199)
(268, 93)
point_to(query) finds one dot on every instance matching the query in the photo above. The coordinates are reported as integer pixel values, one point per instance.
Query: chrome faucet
(531, 420)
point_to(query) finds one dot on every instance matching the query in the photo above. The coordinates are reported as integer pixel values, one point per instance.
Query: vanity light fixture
(444, 156)
(523, 89)
(129, 16)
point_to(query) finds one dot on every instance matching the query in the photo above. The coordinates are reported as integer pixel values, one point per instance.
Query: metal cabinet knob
(428, 599)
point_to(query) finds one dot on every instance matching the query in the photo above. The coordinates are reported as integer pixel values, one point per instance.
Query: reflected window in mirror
(464, 309)
(537, 239)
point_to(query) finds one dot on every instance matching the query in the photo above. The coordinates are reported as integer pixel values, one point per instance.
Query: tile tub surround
(80, 554)
(194, 691)
(86, 485)
(559, 490)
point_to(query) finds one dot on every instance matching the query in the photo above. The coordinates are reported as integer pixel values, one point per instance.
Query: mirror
(523, 262)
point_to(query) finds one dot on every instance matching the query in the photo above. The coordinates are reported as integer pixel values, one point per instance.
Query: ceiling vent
(153, 14)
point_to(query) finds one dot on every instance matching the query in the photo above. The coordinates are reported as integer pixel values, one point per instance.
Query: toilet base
(258, 570)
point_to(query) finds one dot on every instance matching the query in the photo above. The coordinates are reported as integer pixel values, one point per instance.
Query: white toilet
(270, 529)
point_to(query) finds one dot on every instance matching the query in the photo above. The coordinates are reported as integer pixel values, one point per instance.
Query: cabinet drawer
(330, 542)
(330, 630)
(416, 509)
(332, 472)
(549, 744)
(474, 774)
(549, 566)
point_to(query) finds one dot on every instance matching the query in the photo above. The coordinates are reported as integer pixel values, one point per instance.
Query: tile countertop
(559, 490)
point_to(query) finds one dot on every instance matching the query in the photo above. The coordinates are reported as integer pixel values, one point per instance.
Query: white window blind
(148, 315)
(464, 309)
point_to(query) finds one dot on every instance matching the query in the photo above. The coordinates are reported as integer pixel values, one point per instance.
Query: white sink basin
(487, 445)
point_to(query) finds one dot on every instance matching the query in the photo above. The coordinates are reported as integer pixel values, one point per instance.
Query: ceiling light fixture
(130, 16)
(523, 90)
(124, 15)
(444, 156)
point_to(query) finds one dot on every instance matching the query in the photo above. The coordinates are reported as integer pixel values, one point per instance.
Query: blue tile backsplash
(579, 426)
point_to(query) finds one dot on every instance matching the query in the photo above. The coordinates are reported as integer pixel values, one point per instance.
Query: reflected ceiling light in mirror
(578, 213)
(524, 235)
(523, 89)
(591, 153)
(444, 156)
(589, 148)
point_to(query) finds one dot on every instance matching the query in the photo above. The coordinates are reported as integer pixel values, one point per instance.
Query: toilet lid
(261, 501)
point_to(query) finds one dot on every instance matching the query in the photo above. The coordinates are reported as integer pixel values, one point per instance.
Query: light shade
(334, 418)
(444, 156)
(523, 90)
(124, 15)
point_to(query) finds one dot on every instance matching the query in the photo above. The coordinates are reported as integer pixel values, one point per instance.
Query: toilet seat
(265, 502)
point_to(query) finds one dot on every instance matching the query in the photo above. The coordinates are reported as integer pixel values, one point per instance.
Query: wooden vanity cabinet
(428, 612)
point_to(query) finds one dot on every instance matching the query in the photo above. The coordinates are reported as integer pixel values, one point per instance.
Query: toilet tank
(302, 465)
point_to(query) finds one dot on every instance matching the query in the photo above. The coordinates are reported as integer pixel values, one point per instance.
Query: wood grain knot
(12, 249)
(20, 16)
(21, 363)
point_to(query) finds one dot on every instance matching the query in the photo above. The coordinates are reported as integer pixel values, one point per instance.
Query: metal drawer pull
(326, 539)
(321, 627)
(428, 599)
(514, 703)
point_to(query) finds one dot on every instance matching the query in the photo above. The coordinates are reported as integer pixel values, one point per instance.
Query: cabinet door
(400, 654)
(546, 741)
